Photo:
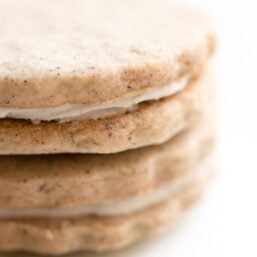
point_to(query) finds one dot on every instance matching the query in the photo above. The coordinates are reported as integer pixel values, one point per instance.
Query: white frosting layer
(69, 112)
(115, 206)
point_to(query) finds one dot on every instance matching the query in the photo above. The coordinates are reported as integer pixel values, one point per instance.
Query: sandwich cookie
(102, 232)
(85, 80)
(151, 123)
(123, 92)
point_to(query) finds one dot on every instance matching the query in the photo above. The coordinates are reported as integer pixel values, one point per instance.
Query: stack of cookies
(106, 111)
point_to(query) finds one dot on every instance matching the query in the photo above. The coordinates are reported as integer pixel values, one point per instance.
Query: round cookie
(151, 123)
(79, 180)
(88, 52)
(59, 70)
(59, 236)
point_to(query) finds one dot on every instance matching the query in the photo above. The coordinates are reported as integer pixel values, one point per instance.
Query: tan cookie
(103, 233)
(126, 83)
(88, 52)
(97, 81)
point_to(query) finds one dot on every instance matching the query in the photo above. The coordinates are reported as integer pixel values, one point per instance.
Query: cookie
(96, 233)
(102, 83)
(106, 121)
(49, 61)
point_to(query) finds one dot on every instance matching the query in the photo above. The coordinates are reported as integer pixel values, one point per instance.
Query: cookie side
(59, 236)
(152, 123)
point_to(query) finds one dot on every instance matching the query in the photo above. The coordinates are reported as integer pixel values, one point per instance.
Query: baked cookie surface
(88, 52)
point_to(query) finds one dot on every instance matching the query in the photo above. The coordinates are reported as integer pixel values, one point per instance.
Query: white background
(225, 222)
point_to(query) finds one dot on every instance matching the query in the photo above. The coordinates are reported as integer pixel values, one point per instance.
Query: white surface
(225, 222)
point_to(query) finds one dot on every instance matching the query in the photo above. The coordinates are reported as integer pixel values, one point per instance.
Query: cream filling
(70, 112)
(115, 206)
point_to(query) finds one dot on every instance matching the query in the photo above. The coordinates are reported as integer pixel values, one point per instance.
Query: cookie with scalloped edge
(57, 56)
(96, 233)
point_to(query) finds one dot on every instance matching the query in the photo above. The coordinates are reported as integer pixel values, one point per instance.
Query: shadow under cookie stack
(106, 121)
